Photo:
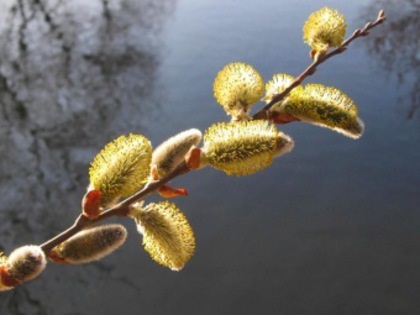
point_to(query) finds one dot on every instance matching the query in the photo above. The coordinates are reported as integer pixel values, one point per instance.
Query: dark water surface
(332, 228)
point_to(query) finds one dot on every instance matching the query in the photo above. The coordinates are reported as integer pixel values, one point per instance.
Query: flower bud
(243, 148)
(167, 156)
(89, 245)
(91, 203)
(121, 168)
(237, 87)
(323, 29)
(167, 235)
(24, 263)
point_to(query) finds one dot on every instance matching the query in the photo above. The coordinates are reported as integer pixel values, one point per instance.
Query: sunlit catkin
(24, 263)
(243, 148)
(121, 168)
(324, 28)
(171, 153)
(167, 235)
(89, 245)
(237, 87)
(326, 107)
(277, 85)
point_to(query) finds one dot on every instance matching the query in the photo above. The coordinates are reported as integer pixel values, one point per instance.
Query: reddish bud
(193, 158)
(282, 118)
(169, 192)
(91, 204)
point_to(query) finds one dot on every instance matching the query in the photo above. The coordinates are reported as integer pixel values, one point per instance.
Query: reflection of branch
(47, 17)
(22, 43)
(396, 46)
(264, 112)
(20, 106)
(106, 11)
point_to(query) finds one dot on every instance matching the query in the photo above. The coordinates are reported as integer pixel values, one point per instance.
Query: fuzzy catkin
(278, 84)
(168, 155)
(167, 235)
(121, 168)
(24, 263)
(323, 106)
(237, 87)
(324, 28)
(90, 244)
(243, 148)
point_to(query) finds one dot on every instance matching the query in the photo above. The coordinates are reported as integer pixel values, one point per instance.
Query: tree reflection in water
(396, 46)
(73, 75)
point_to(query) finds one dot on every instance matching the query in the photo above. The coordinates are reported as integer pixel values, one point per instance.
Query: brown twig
(120, 209)
(264, 112)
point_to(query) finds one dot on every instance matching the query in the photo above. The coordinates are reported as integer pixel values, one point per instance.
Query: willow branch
(119, 210)
(122, 208)
(360, 32)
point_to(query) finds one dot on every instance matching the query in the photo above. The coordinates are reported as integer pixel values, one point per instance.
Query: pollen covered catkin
(237, 87)
(167, 235)
(277, 85)
(323, 106)
(90, 244)
(324, 28)
(168, 155)
(243, 148)
(121, 168)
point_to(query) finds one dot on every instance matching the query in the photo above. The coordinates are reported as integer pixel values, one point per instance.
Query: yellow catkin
(237, 87)
(167, 235)
(326, 107)
(324, 28)
(90, 245)
(121, 168)
(277, 85)
(243, 148)
(171, 153)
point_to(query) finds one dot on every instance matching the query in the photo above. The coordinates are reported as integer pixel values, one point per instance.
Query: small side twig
(263, 113)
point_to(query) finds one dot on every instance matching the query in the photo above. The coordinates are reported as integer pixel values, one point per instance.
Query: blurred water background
(332, 228)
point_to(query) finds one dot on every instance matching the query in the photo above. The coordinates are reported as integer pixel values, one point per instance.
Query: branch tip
(317, 60)
(381, 15)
